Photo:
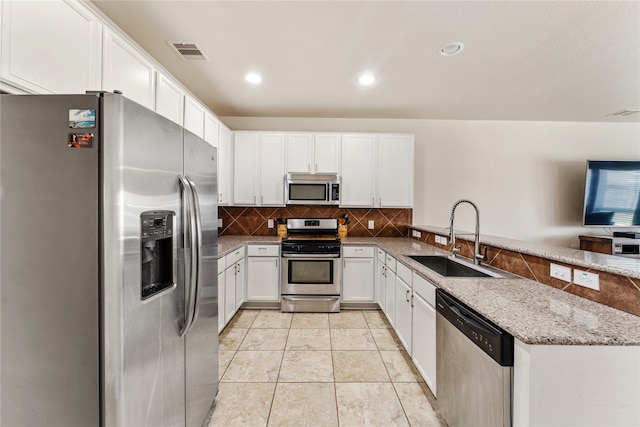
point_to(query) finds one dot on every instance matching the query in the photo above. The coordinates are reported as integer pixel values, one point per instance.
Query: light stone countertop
(625, 266)
(532, 312)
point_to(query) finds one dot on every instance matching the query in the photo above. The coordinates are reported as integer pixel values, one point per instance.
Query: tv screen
(612, 194)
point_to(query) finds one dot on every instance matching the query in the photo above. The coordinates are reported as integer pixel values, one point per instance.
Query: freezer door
(49, 275)
(144, 354)
(202, 338)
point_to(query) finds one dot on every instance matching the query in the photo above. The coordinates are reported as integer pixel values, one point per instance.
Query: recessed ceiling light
(452, 49)
(254, 78)
(367, 79)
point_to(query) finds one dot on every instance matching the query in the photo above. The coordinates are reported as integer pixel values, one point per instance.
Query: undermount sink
(448, 267)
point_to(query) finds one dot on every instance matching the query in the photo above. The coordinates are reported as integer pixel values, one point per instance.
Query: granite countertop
(532, 312)
(625, 266)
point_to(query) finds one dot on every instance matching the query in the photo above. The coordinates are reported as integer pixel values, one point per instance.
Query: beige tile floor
(344, 369)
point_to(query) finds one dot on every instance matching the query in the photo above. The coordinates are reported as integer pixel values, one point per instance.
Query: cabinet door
(381, 284)
(299, 152)
(225, 166)
(229, 293)
(390, 296)
(245, 168)
(326, 158)
(272, 169)
(395, 171)
(169, 100)
(263, 279)
(403, 313)
(50, 47)
(127, 70)
(211, 129)
(424, 340)
(357, 186)
(357, 280)
(221, 287)
(193, 116)
(240, 284)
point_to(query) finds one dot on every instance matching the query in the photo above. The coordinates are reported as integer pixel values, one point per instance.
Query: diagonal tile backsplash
(252, 221)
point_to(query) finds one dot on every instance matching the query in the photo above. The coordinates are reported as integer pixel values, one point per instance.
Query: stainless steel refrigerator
(108, 281)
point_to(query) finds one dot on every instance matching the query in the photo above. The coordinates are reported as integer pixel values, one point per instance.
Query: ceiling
(523, 60)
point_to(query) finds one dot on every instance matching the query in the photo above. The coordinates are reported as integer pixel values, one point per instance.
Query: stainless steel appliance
(108, 275)
(311, 268)
(312, 189)
(474, 366)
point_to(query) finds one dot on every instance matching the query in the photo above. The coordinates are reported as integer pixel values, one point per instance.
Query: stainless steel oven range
(310, 273)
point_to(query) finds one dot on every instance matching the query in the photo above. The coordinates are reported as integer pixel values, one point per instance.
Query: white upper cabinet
(56, 50)
(193, 116)
(258, 168)
(395, 171)
(313, 152)
(211, 129)
(169, 99)
(225, 165)
(377, 170)
(358, 174)
(125, 69)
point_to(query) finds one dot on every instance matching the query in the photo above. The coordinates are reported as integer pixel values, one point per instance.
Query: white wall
(526, 177)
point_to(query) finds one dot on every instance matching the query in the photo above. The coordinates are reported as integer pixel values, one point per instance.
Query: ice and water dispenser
(156, 252)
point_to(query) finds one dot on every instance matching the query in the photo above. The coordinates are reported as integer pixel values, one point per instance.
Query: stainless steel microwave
(312, 189)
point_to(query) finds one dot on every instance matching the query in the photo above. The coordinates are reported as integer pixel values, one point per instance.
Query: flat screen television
(612, 194)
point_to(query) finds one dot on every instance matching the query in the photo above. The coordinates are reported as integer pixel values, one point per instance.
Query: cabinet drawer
(357, 252)
(404, 273)
(222, 264)
(235, 256)
(391, 263)
(263, 250)
(425, 289)
(382, 255)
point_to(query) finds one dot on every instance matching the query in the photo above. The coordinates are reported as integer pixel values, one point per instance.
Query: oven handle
(311, 297)
(310, 255)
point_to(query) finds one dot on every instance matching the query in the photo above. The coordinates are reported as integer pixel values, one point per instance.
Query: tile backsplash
(253, 221)
(616, 291)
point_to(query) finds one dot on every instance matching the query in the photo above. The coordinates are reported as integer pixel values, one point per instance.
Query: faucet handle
(455, 250)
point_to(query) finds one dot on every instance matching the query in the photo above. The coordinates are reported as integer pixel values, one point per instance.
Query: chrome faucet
(452, 235)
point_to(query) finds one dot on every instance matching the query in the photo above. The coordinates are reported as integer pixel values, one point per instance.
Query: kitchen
(523, 167)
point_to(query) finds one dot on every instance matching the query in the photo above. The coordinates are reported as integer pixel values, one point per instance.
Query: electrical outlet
(370, 224)
(269, 223)
(219, 222)
(438, 239)
(586, 279)
(560, 272)
(416, 233)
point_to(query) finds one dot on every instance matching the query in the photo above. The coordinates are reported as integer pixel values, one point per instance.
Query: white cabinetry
(221, 289)
(211, 129)
(381, 267)
(313, 152)
(231, 290)
(424, 330)
(57, 50)
(357, 274)
(404, 306)
(193, 116)
(225, 162)
(126, 69)
(390, 290)
(377, 170)
(169, 99)
(258, 173)
(263, 273)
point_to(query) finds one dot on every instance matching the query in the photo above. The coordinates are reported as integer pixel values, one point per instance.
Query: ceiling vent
(627, 112)
(188, 51)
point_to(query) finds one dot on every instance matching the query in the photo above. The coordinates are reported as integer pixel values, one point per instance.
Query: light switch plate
(269, 223)
(219, 222)
(586, 279)
(560, 272)
(370, 224)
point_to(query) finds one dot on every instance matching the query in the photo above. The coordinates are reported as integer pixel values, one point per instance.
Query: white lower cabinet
(263, 273)
(380, 277)
(403, 309)
(357, 274)
(423, 351)
(221, 283)
(230, 275)
(390, 293)
(231, 286)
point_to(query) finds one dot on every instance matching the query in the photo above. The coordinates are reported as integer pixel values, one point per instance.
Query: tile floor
(342, 369)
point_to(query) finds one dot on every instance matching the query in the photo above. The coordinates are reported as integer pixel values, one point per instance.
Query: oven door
(307, 274)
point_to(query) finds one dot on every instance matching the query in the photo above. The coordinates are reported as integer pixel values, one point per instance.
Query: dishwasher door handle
(470, 321)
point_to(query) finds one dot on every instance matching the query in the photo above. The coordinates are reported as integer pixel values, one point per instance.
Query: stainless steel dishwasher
(474, 366)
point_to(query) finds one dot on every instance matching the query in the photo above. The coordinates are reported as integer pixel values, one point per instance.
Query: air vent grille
(188, 51)
(627, 112)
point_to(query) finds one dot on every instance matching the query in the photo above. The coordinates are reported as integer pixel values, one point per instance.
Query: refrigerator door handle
(189, 303)
(198, 247)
